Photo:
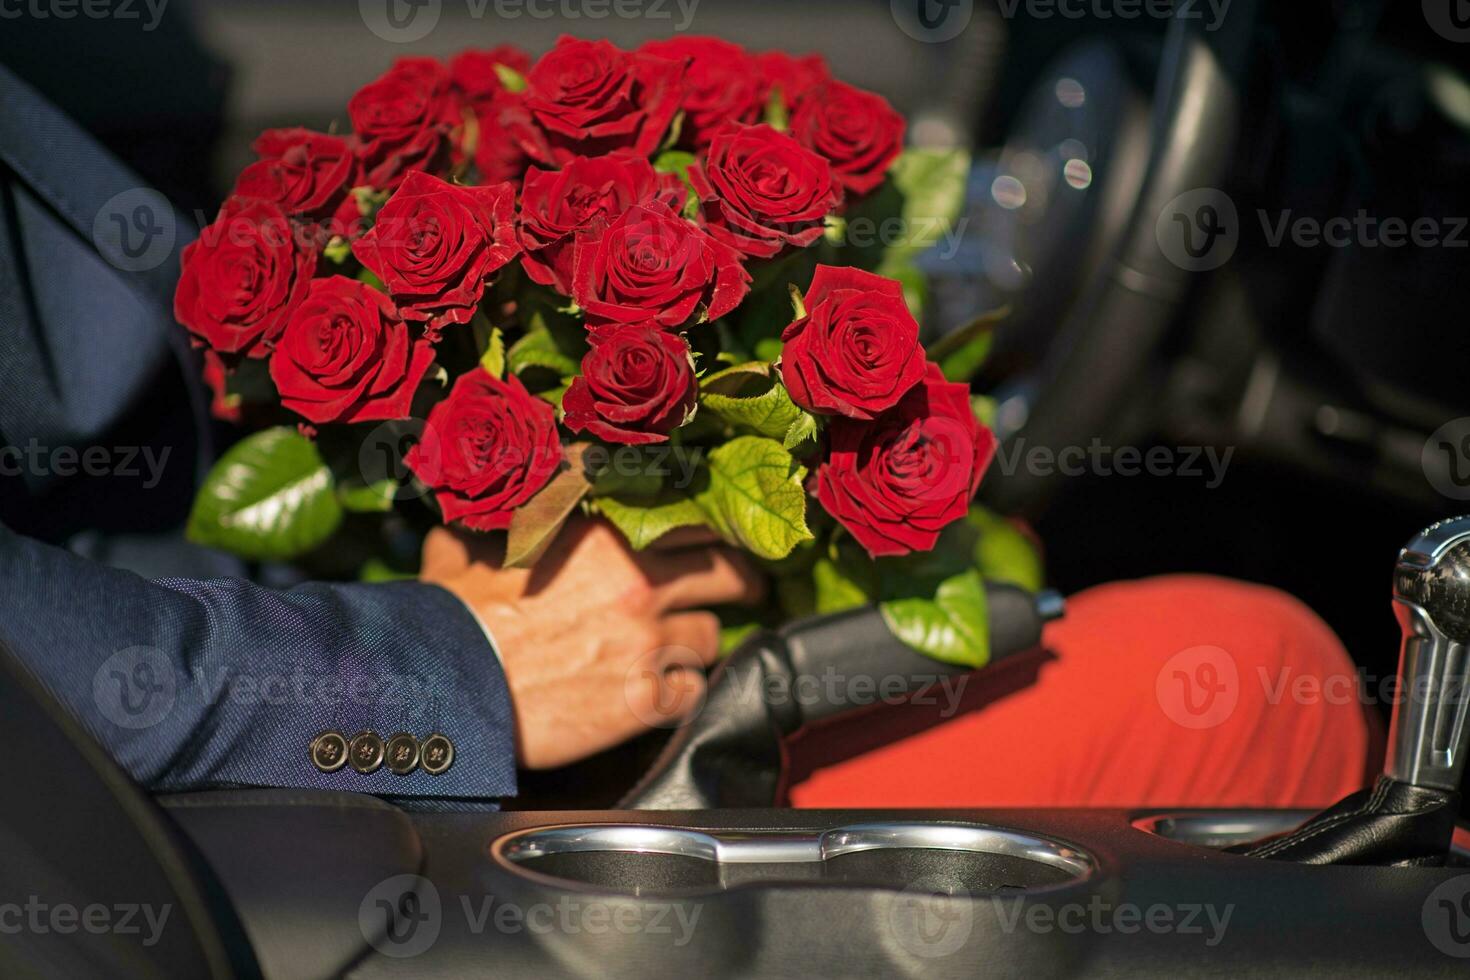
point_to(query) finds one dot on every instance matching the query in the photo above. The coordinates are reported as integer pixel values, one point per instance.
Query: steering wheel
(1086, 243)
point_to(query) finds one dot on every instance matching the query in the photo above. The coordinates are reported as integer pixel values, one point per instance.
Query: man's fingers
(696, 631)
(703, 577)
(665, 687)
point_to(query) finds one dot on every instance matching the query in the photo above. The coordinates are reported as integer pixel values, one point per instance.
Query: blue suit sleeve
(193, 683)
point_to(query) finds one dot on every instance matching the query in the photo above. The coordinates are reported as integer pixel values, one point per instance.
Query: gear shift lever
(1408, 817)
(1429, 737)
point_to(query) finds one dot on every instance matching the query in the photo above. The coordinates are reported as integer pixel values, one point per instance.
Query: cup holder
(644, 858)
(1219, 829)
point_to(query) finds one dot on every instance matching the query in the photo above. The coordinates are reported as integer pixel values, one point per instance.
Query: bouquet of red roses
(674, 287)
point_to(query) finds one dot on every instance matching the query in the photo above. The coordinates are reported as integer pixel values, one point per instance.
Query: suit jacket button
(402, 754)
(437, 754)
(328, 751)
(366, 752)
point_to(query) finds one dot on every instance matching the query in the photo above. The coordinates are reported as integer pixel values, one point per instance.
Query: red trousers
(1179, 691)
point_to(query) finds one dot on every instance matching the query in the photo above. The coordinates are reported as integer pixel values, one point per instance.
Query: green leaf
(769, 349)
(338, 250)
(775, 115)
(953, 626)
(643, 520)
(554, 396)
(493, 360)
(935, 600)
(984, 408)
(932, 183)
(543, 309)
(637, 478)
(834, 231)
(961, 353)
(537, 521)
(539, 349)
(370, 277)
(754, 497)
(359, 496)
(733, 635)
(804, 429)
(671, 135)
(369, 203)
(798, 302)
(271, 496)
(678, 162)
(841, 585)
(749, 396)
(510, 79)
(674, 162)
(1003, 553)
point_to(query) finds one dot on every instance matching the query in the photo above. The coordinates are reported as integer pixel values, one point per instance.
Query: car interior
(1321, 371)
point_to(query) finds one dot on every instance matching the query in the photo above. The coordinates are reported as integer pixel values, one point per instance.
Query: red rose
(473, 73)
(403, 120)
(652, 264)
(722, 84)
(793, 76)
(346, 221)
(346, 356)
(857, 350)
(637, 385)
(895, 482)
(223, 404)
(305, 173)
(498, 156)
(588, 98)
(486, 450)
(762, 190)
(434, 245)
(242, 277)
(582, 197)
(858, 132)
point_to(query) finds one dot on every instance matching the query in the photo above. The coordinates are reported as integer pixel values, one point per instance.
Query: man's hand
(597, 640)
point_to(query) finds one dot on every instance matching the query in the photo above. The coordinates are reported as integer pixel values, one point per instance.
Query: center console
(889, 893)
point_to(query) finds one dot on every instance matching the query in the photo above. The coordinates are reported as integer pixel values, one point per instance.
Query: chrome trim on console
(788, 847)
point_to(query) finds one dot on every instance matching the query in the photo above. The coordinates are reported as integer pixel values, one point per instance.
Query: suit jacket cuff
(407, 657)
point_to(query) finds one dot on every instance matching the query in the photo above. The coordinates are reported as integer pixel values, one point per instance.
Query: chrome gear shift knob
(1429, 737)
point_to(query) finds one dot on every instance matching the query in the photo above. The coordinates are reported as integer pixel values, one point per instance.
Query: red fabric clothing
(1177, 691)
